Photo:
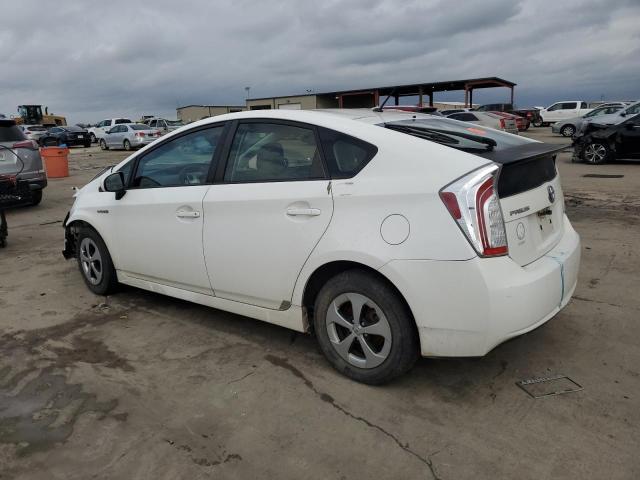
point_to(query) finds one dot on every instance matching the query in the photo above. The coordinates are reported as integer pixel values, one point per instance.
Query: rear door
(262, 223)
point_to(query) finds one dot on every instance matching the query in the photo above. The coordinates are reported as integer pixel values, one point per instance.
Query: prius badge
(552, 193)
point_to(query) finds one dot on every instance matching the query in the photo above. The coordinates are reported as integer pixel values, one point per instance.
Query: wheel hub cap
(91, 261)
(358, 330)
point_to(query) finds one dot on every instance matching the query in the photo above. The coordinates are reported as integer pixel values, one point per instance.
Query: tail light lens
(139, 134)
(502, 123)
(473, 203)
(30, 144)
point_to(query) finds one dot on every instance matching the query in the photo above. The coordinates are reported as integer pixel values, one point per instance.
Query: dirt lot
(140, 386)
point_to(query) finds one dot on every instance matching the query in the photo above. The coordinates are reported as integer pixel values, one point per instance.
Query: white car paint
(238, 248)
(103, 126)
(564, 110)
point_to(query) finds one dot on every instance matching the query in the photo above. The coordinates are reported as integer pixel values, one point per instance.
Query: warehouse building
(191, 113)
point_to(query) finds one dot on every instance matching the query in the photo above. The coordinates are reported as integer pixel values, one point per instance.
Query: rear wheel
(103, 144)
(364, 328)
(95, 263)
(596, 153)
(568, 130)
(537, 122)
(127, 145)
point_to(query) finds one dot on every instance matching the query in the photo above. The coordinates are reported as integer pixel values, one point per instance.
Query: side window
(263, 152)
(345, 155)
(569, 106)
(152, 123)
(584, 105)
(465, 117)
(184, 160)
(555, 106)
(633, 110)
(126, 170)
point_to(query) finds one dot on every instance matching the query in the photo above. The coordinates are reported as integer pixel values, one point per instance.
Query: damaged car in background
(605, 143)
(389, 235)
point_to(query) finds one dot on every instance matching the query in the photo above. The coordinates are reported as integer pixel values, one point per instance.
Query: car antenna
(379, 108)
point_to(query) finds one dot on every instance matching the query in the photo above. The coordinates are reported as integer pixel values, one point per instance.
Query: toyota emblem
(552, 194)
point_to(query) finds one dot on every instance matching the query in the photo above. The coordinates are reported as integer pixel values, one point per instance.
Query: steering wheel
(193, 174)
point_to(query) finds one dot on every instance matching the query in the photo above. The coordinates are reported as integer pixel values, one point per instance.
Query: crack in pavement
(325, 397)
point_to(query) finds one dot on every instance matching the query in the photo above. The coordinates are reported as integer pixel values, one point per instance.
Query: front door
(158, 222)
(628, 145)
(264, 221)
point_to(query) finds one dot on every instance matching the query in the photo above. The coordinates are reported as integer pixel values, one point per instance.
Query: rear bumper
(466, 308)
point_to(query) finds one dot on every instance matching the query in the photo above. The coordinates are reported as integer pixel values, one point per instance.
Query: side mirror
(115, 183)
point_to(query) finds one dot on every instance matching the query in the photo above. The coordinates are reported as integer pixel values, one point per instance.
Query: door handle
(185, 214)
(309, 212)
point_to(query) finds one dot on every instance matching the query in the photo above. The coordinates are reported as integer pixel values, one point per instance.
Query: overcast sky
(91, 60)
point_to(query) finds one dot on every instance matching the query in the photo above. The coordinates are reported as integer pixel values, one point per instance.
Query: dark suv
(604, 143)
(19, 155)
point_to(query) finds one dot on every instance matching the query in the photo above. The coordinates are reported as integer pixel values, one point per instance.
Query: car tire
(537, 122)
(596, 153)
(127, 145)
(103, 144)
(94, 262)
(36, 197)
(567, 130)
(93, 138)
(391, 350)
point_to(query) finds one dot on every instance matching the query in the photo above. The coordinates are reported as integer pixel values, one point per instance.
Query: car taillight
(30, 144)
(473, 203)
(502, 123)
(139, 134)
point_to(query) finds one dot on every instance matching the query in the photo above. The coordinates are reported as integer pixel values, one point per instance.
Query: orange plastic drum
(56, 161)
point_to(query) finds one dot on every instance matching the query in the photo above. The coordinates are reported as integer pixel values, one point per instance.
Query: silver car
(487, 119)
(568, 128)
(19, 155)
(34, 132)
(129, 136)
(613, 118)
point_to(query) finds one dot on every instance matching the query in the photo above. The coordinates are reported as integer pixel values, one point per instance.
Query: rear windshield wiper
(445, 137)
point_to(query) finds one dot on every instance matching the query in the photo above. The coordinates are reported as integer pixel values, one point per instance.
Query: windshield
(460, 135)
(174, 123)
(73, 128)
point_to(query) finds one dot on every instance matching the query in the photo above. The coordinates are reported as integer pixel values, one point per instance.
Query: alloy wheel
(595, 153)
(91, 261)
(358, 330)
(568, 131)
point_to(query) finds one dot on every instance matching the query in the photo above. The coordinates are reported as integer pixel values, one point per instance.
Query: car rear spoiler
(519, 153)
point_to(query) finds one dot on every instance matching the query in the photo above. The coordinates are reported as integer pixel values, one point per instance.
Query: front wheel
(103, 144)
(568, 131)
(596, 153)
(364, 328)
(95, 263)
(36, 197)
(537, 122)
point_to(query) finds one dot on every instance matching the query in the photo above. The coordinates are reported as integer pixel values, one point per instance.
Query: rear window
(73, 128)
(122, 120)
(139, 127)
(345, 155)
(10, 132)
(526, 175)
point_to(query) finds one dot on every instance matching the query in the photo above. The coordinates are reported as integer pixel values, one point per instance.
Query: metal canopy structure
(351, 97)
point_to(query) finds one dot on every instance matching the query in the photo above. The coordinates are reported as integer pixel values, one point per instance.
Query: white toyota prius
(389, 235)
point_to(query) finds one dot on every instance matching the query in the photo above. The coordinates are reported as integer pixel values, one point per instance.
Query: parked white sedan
(389, 235)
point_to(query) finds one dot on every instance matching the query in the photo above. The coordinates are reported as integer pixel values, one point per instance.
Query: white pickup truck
(561, 111)
(104, 126)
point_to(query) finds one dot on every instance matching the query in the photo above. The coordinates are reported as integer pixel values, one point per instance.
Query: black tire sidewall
(404, 345)
(109, 280)
(103, 144)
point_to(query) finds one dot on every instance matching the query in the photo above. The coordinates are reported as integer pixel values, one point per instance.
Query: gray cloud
(90, 60)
